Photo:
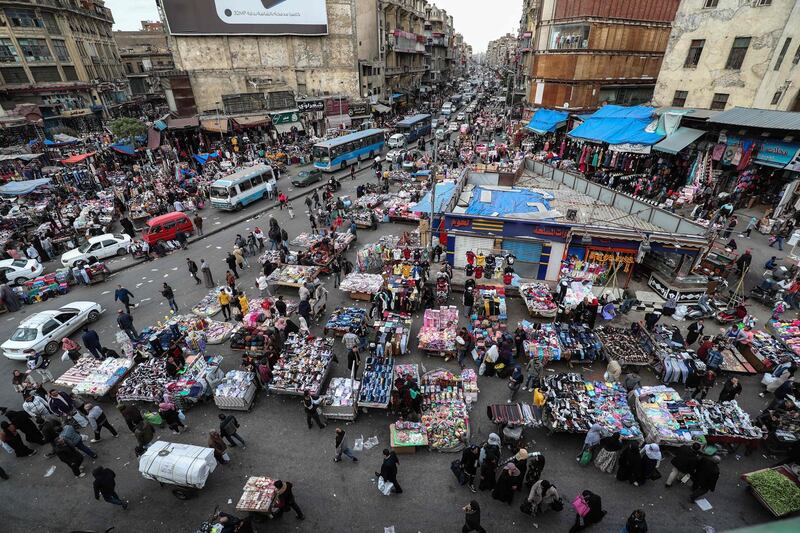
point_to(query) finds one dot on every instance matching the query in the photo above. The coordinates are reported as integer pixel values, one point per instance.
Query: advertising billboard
(248, 17)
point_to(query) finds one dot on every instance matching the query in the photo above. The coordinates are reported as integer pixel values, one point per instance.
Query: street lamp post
(433, 188)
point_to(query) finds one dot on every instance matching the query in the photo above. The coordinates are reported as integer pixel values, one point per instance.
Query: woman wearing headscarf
(608, 454)
(636, 522)
(9, 298)
(469, 465)
(629, 463)
(490, 454)
(651, 456)
(595, 514)
(504, 490)
(520, 460)
(535, 467)
(592, 439)
(542, 496)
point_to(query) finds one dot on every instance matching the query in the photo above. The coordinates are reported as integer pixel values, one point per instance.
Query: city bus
(415, 127)
(335, 154)
(243, 187)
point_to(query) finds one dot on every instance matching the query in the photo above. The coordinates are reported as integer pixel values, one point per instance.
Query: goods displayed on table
(597, 268)
(439, 328)
(391, 334)
(371, 200)
(491, 304)
(676, 363)
(469, 382)
(244, 338)
(376, 382)
(365, 217)
(624, 345)
(486, 334)
(401, 210)
(777, 488)
(541, 341)
(578, 343)
(356, 282)
(236, 391)
(766, 352)
(79, 371)
(577, 291)
(306, 240)
(666, 419)
(390, 249)
(209, 305)
(104, 377)
(407, 370)
(538, 299)
(789, 333)
(345, 319)
(514, 414)
(219, 332)
(573, 405)
(403, 434)
(444, 410)
(145, 383)
(727, 420)
(277, 257)
(258, 495)
(293, 275)
(43, 288)
(303, 365)
(340, 400)
(403, 292)
(198, 379)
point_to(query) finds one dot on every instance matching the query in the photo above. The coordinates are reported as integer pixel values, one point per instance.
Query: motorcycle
(728, 316)
(771, 290)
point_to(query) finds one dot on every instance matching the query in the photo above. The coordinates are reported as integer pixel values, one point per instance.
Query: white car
(43, 331)
(441, 134)
(97, 248)
(394, 155)
(434, 123)
(460, 117)
(17, 271)
(398, 140)
(453, 126)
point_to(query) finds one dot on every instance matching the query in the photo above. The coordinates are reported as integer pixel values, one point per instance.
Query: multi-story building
(405, 44)
(729, 53)
(144, 54)
(589, 53)
(501, 52)
(527, 27)
(60, 55)
(438, 30)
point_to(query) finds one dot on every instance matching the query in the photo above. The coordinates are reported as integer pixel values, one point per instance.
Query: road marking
(146, 299)
(105, 292)
(167, 275)
(176, 268)
(139, 285)
(10, 319)
(149, 281)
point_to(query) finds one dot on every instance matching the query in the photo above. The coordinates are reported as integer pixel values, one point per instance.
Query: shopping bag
(385, 486)
(154, 419)
(580, 505)
(586, 458)
(181, 416)
(557, 505)
(655, 475)
(80, 419)
(482, 369)
(455, 467)
(226, 457)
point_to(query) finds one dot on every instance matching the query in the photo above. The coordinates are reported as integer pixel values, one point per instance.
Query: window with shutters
(24, 18)
(719, 101)
(695, 50)
(60, 48)
(14, 75)
(8, 52)
(737, 53)
(50, 23)
(679, 100)
(784, 49)
(709, 4)
(42, 74)
(35, 50)
(70, 73)
(796, 58)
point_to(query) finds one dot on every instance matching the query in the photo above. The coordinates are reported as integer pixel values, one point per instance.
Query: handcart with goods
(258, 497)
(776, 488)
(185, 466)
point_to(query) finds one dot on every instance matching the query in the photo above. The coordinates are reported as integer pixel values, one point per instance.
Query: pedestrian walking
(192, 266)
(125, 323)
(75, 439)
(694, 331)
(12, 439)
(68, 455)
(353, 361)
(389, 470)
(259, 235)
(262, 284)
(472, 518)
(730, 390)
(230, 280)
(105, 485)
(37, 407)
(343, 446)
(123, 296)
(304, 310)
(285, 499)
(172, 417)
(98, 420)
(131, 415)
(229, 428)
(282, 199)
(169, 295)
(469, 465)
(244, 303)
(24, 423)
(514, 383)
(207, 277)
(751, 225)
(216, 443)
(636, 522)
(241, 260)
(72, 349)
(592, 507)
(230, 260)
(224, 299)
(311, 407)
(198, 224)
(705, 477)
(684, 463)
(144, 434)
(291, 209)
(336, 268)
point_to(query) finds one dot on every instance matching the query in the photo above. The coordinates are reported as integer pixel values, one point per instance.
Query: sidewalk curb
(231, 223)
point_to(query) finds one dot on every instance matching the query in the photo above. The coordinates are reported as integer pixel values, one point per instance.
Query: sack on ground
(557, 505)
(580, 505)
(526, 507)
(226, 457)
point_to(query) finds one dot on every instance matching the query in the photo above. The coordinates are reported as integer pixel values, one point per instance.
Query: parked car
(305, 178)
(43, 331)
(435, 123)
(460, 117)
(166, 227)
(17, 271)
(97, 248)
(441, 134)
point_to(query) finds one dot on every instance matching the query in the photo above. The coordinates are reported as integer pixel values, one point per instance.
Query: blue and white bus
(415, 127)
(340, 152)
(241, 188)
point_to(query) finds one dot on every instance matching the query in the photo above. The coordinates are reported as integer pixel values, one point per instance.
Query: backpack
(284, 235)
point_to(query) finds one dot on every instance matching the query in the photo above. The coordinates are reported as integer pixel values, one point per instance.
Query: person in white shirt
(32, 252)
(263, 285)
(178, 205)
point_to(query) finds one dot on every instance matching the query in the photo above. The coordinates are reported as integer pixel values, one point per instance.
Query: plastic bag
(80, 419)
(226, 457)
(385, 486)
(482, 369)
(358, 445)
(65, 357)
(181, 416)
(154, 419)
(371, 443)
(586, 458)
(580, 505)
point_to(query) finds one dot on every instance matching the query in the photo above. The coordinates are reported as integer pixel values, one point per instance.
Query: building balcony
(399, 71)
(401, 41)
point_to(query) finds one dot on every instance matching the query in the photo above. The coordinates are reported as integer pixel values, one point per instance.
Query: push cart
(766, 484)
(185, 466)
(258, 497)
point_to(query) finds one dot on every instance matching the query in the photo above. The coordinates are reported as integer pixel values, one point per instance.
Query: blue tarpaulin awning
(160, 125)
(203, 158)
(493, 202)
(444, 193)
(20, 188)
(547, 121)
(679, 140)
(615, 124)
(126, 149)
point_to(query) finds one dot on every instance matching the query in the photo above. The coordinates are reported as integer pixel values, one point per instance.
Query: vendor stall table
(438, 333)
(79, 371)
(629, 346)
(578, 344)
(340, 400)
(362, 286)
(258, 495)
(727, 423)
(345, 319)
(293, 275)
(404, 437)
(541, 341)
(444, 411)
(789, 334)
(392, 333)
(665, 418)
(237, 391)
(209, 305)
(516, 414)
(538, 300)
(376, 383)
(304, 365)
(104, 378)
(776, 488)
(765, 352)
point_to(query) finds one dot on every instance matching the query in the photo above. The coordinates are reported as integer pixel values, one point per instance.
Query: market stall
(490, 303)
(541, 341)
(339, 402)
(666, 419)
(93, 377)
(789, 335)
(627, 346)
(376, 382)
(196, 381)
(405, 436)
(391, 334)
(304, 365)
(258, 496)
(776, 488)
(293, 276)
(578, 344)
(209, 305)
(345, 319)
(444, 411)
(512, 414)
(727, 423)
(765, 352)
(362, 286)
(538, 300)
(237, 391)
(437, 336)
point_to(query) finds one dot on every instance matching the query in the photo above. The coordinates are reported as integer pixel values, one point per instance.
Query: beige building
(732, 53)
(501, 52)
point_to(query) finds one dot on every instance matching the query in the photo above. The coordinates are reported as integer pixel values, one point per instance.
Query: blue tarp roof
(160, 125)
(547, 120)
(615, 124)
(126, 149)
(444, 192)
(203, 158)
(507, 202)
(410, 121)
(19, 188)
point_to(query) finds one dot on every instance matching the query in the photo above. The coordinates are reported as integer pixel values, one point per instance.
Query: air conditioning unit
(572, 214)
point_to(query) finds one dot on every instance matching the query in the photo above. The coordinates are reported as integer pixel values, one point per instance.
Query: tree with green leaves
(127, 128)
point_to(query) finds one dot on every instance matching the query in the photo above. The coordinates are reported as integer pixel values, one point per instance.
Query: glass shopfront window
(569, 37)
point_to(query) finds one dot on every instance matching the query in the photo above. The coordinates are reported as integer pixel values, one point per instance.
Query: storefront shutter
(527, 252)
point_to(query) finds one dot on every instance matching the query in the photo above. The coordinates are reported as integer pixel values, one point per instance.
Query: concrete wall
(220, 65)
(719, 26)
(787, 78)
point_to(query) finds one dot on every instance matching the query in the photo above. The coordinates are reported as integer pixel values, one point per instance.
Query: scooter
(728, 316)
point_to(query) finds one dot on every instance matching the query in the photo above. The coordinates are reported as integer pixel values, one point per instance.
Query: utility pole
(433, 188)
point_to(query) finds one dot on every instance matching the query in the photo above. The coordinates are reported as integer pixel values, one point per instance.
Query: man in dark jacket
(705, 477)
(91, 340)
(105, 485)
(192, 266)
(131, 415)
(389, 469)
(684, 463)
(743, 263)
(311, 406)
(123, 296)
(169, 295)
(125, 323)
(228, 428)
(285, 499)
(24, 423)
(730, 390)
(69, 456)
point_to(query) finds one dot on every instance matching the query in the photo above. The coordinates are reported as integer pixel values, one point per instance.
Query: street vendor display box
(376, 382)
(789, 334)
(665, 418)
(491, 303)
(776, 488)
(104, 377)
(304, 365)
(177, 464)
(573, 405)
(340, 400)
(626, 346)
(765, 352)
(391, 334)
(404, 437)
(578, 344)
(78, 372)
(293, 275)
(145, 383)
(444, 411)
(538, 300)
(541, 341)
(209, 305)
(361, 286)
(726, 422)
(258, 495)
(345, 319)
(195, 381)
(236, 391)
(439, 329)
